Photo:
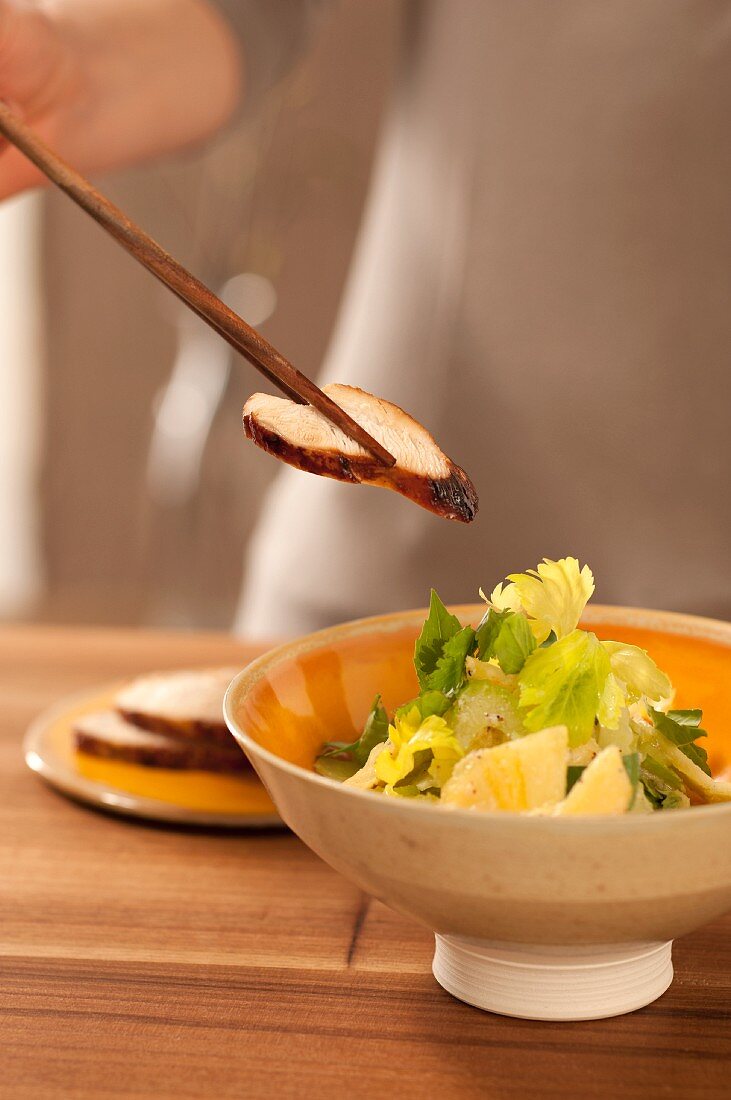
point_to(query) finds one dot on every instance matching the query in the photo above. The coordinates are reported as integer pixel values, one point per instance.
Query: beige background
(112, 554)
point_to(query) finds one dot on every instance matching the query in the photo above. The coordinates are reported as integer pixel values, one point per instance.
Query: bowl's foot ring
(553, 983)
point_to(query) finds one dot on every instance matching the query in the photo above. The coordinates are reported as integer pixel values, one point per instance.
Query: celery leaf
(563, 685)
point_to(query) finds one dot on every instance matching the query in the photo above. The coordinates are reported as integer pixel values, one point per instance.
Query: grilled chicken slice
(187, 705)
(302, 437)
(108, 735)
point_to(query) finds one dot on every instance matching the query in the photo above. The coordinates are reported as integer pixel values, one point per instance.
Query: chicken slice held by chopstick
(302, 437)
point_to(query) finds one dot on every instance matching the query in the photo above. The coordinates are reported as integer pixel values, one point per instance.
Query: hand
(111, 82)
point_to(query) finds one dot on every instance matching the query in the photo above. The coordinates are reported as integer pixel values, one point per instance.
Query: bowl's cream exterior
(498, 877)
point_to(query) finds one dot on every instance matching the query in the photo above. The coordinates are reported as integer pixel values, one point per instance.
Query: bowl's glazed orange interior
(325, 693)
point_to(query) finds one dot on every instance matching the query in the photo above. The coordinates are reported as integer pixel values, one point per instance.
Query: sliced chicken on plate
(302, 437)
(106, 734)
(185, 704)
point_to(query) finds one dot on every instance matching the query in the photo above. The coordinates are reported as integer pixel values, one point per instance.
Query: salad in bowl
(519, 786)
(527, 712)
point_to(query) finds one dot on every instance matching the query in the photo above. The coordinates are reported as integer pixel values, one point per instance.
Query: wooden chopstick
(190, 290)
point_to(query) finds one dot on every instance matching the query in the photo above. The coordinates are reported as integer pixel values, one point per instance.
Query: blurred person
(542, 275)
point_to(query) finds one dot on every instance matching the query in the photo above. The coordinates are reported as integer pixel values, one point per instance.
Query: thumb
(34, 59)
(34, 82)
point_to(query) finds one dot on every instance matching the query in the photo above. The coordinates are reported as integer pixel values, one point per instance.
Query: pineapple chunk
(604, 788)
(520, 775)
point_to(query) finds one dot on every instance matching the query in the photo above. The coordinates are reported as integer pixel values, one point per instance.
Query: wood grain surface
(140, 961)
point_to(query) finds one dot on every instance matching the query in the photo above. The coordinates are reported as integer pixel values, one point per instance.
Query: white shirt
(543, 278)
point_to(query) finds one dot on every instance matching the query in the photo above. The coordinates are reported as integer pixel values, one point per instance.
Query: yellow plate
(159, 794)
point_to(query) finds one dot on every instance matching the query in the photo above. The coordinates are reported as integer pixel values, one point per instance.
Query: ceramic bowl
(545, 918)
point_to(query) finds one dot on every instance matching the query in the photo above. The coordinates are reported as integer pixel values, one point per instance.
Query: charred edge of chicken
(186, 758)
(181, 729)
(453, 497)
(457, 495)
(326, 463)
